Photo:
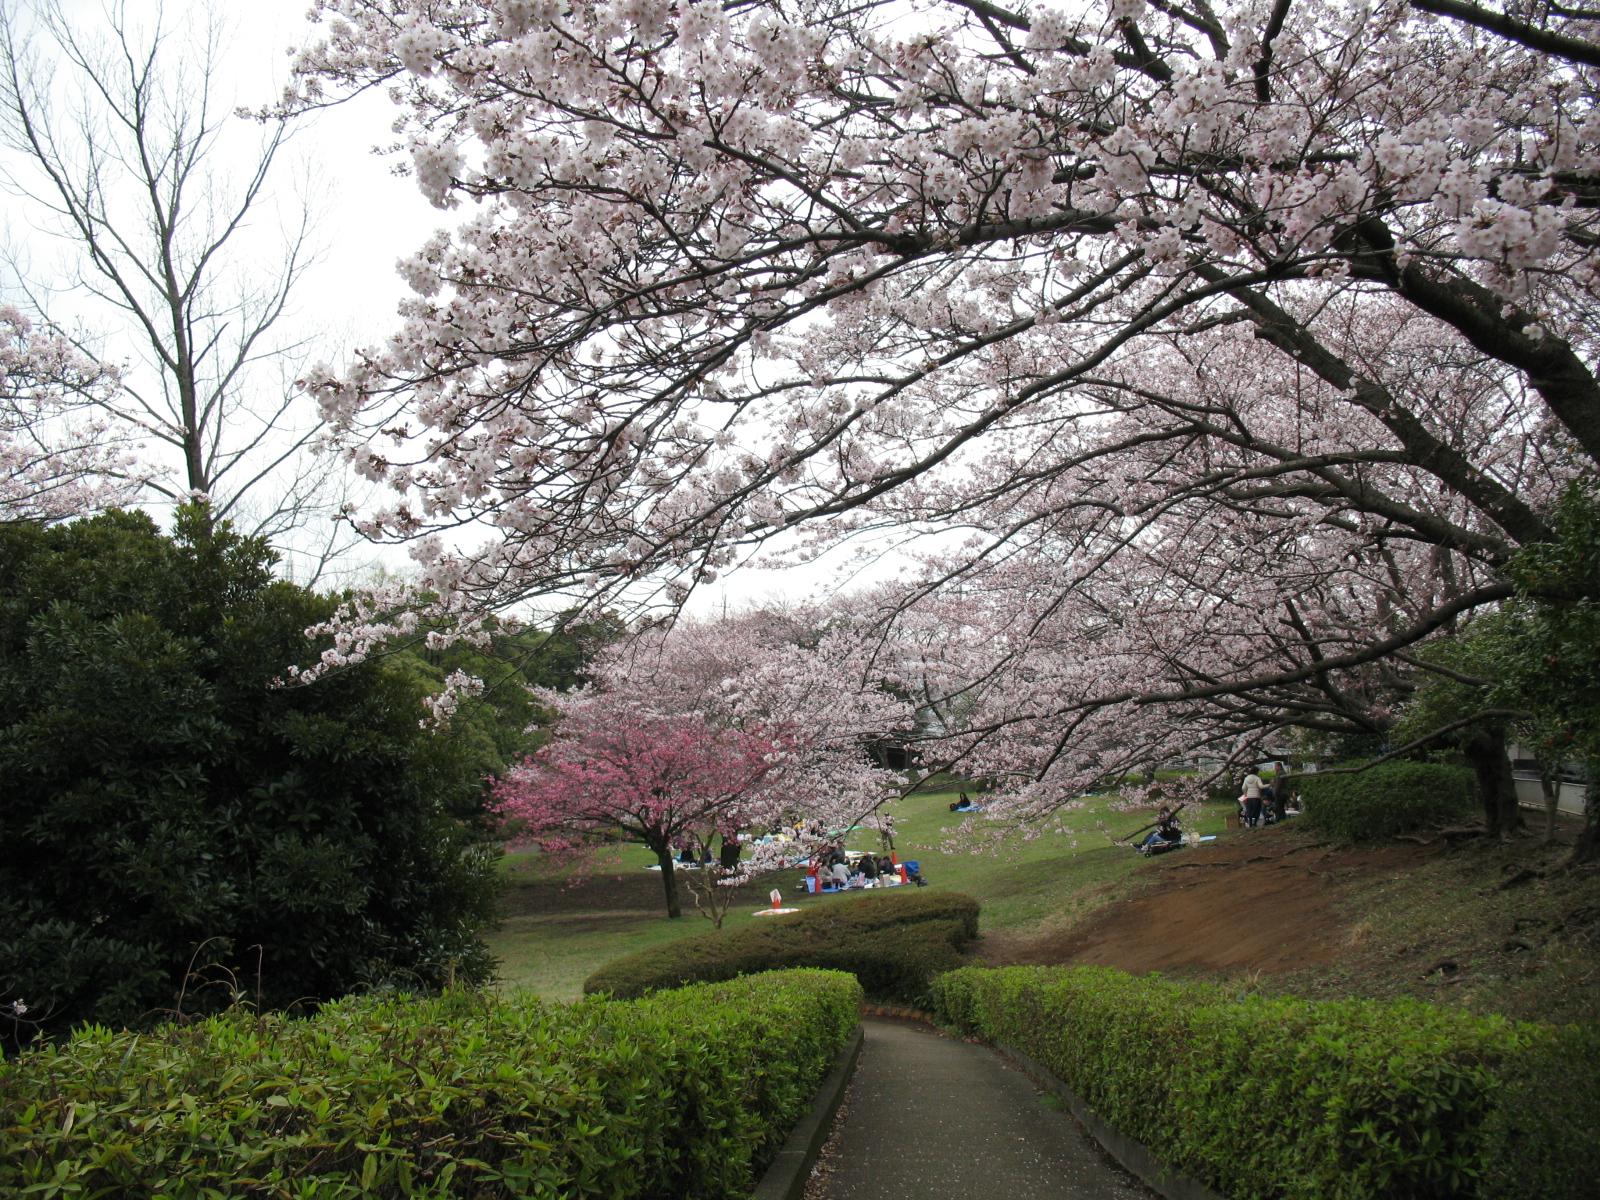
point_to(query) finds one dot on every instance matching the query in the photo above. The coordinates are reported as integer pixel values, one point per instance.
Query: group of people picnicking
(835, 869)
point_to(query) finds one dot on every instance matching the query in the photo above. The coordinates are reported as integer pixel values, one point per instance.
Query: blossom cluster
(58, 456)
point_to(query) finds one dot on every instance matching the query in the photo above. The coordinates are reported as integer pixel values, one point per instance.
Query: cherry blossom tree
(57, 459)
(801, 669)
(1178, 583)
(617, 772)
(1246, 342)
(741, 725)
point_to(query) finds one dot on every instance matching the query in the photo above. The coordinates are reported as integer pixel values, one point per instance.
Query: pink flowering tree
(712, 729)
(58, 457)
(803, 670)
(614, 772)
(1244, 344)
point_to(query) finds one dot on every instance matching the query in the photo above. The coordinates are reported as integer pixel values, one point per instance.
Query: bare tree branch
(155, 188)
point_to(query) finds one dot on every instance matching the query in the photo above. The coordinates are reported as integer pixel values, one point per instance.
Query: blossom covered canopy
(723, 270)
(1244, 342)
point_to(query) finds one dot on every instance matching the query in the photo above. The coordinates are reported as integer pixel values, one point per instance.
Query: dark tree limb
(1263, 68)
(1561, 45)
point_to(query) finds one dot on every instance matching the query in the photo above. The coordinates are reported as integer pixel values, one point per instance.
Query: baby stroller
(1268, 815)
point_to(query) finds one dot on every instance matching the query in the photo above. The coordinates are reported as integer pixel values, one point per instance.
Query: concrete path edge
(785, 1178)
(1131, 1154)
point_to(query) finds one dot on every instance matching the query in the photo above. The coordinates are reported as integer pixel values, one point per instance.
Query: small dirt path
(1258, 900)
(928, 1115)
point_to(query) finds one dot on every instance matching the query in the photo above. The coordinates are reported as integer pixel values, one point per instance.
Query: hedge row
(1278, 1097)
(1388, 799)
(894, 941)
(685, 1094)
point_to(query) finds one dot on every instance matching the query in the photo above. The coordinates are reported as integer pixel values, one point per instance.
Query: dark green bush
(1277, 1097)
(159, 796)
(1548, 1109)
(682, 1094)
(1388, 799)
(895, 942)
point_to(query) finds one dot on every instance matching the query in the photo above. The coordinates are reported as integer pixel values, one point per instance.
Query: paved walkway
(929, 1116)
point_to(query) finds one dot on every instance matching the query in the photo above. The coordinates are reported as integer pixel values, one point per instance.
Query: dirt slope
(1256, 901)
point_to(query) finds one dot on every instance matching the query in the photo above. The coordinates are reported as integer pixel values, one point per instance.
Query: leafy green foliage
(1552, 663)
(1548, 1108)
(1533, 666)
(685, 1093)
(895, 942)
(494, 730)
(1390, 798)
(1468, 663)
(1277, 1097)
(167, 808)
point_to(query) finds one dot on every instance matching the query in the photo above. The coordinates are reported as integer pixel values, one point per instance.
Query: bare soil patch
(1258, 901)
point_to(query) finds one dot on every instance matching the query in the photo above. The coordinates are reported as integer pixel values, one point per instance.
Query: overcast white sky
(367, 217)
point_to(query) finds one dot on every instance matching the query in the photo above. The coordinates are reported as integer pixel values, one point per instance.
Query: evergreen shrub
(173, 823)
(1389, 799)
(894, 941)
(1265, 1097)
(683, 1094)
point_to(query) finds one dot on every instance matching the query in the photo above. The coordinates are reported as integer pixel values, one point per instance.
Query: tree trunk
(1485, 750)
(1550, 787)
(1587, 849)
(669, 879)
(1510, 811)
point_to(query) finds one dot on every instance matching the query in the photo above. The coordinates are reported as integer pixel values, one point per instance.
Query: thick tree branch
(1543, 40)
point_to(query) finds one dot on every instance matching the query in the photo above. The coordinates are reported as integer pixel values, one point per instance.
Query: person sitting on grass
(841, 874)
(1166, 833)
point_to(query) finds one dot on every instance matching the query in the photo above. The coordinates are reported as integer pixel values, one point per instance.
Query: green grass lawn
(1027, 884)
(557, 931)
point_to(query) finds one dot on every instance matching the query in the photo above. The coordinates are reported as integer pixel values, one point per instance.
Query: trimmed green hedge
(685, 1093)
(894, 941)
(1391, 798)
(1277, 1097)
